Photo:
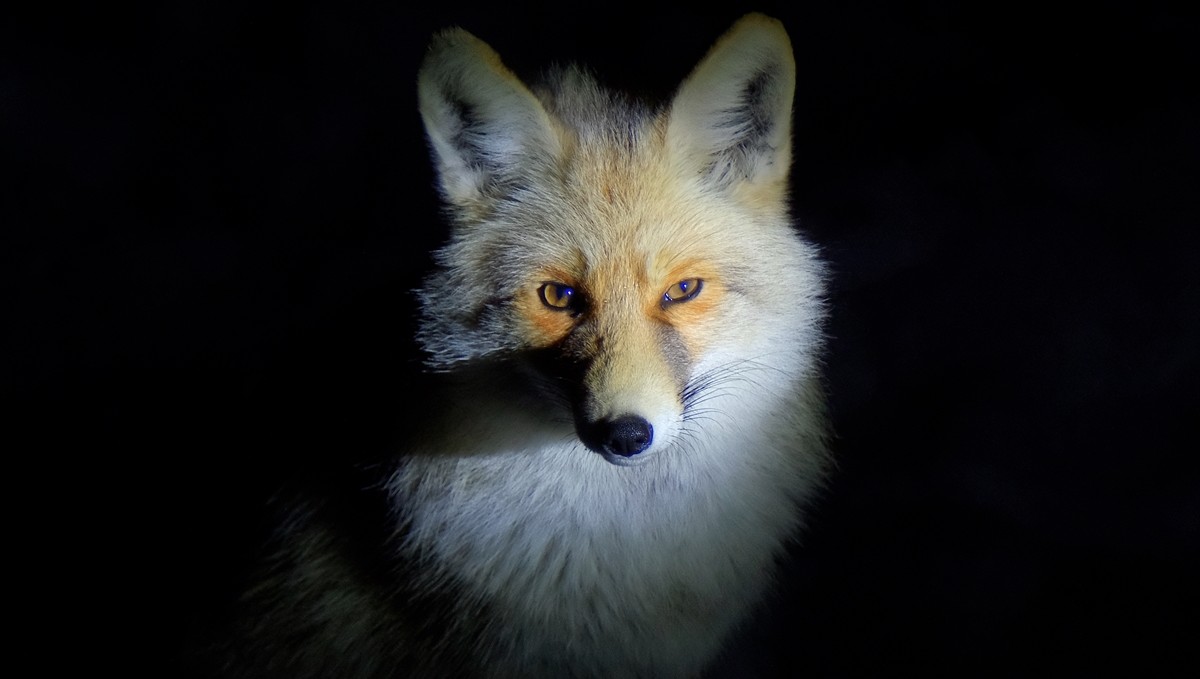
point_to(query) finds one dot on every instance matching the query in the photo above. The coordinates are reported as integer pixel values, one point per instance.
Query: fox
(625, 327)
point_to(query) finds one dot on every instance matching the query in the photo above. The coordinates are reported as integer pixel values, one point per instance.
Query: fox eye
(682, 291)
(558, 296)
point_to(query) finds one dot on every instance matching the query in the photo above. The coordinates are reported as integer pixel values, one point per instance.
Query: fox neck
(523, 517)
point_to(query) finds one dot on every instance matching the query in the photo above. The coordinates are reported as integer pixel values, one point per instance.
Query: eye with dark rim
(559, 296)
(682, 291)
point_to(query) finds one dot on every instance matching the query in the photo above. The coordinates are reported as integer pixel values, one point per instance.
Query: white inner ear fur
(731, 118)
(482, 122)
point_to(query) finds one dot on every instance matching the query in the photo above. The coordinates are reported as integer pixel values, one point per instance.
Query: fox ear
(483, 123)
(731, 120)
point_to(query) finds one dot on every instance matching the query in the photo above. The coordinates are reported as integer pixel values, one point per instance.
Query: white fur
(590, 568)
(553, 560)
(604, 570)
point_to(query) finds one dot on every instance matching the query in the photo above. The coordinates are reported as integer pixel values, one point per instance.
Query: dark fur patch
(675, 352)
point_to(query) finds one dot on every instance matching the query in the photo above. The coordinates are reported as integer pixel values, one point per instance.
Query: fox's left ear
(731, 120)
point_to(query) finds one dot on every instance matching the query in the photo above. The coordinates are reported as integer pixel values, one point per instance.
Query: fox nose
(626, 436)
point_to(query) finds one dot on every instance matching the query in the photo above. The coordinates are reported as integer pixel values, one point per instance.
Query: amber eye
(682, 291)
(558, 296)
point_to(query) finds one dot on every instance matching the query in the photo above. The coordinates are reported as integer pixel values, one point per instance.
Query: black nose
(626, 436)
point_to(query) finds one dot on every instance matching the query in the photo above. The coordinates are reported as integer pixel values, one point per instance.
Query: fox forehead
(608, 256)
(613, 210)
(619, 218)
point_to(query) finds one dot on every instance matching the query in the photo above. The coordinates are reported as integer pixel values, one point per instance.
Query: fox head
(640, 257)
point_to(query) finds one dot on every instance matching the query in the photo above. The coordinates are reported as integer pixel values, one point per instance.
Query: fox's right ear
(484, 124)
(731, 120)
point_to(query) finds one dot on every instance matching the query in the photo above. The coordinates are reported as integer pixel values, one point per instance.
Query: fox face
(622, 334)
(638, 261)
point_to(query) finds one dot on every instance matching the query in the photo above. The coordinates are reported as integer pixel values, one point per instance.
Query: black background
(214, 211)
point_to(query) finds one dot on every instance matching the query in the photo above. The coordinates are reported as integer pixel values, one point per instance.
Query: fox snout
(621, 437)
(618, 355)
(627, 399)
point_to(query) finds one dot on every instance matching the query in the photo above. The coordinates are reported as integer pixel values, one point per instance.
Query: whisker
(702, 394)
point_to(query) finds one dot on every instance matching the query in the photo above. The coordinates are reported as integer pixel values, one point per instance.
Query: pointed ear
(731, 120)
(484, 124)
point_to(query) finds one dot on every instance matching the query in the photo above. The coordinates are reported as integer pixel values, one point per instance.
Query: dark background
(212, 214)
